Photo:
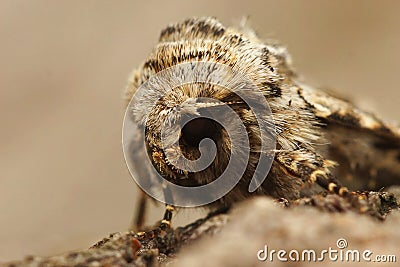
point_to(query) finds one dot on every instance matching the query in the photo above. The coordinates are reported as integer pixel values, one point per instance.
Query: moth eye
(197, 129)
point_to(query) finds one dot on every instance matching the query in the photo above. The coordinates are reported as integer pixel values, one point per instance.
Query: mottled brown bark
(367, 220)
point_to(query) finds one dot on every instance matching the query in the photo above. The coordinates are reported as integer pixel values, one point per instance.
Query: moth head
(182, 136)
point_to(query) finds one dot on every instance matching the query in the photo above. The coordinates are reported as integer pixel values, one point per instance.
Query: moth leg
(330, 184)
(164, 224)
(166, 221)
(141, 211)
(311, 168)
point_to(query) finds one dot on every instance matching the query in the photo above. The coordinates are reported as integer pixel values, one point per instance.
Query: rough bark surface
(366, 220)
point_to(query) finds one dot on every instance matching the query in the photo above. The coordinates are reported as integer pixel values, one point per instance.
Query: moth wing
(366, 148)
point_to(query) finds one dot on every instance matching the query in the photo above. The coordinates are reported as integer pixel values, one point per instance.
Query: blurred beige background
(63, 65)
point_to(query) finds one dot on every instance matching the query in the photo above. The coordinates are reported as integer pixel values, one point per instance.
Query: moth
(321, 139)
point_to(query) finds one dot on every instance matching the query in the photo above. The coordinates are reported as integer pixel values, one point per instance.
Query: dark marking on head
(273, 89)
(203, 27)
(206, 28)
(265, 57)
(193, 27)
(235, 39)
(167, 31)
(189, 22)
(160, 63)
(219, 32)
(152, 64)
